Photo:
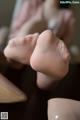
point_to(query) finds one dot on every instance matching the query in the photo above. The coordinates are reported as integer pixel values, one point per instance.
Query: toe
(11, 43)
(63, 51)
(28, 38)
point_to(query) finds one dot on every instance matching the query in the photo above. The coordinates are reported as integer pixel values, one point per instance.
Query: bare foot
(45, 82)
(50, 56)
(20, 49)
(63, 109)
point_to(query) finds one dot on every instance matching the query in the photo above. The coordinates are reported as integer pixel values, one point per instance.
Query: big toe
(46, 38)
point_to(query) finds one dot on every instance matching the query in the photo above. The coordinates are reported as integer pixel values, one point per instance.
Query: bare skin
(63, 109)
(50, 56)
(45, 82)
(61, 21)
(22, 50)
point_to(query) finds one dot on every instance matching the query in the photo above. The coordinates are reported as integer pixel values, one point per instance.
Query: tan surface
(10, 93)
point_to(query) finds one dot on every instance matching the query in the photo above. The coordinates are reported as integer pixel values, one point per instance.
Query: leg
(63, 109)
(32, 26)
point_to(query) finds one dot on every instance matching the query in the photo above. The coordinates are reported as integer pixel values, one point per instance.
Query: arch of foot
(50, 55)
(63, 109)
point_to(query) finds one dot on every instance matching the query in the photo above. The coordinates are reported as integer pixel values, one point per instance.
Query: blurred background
(9, 8)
